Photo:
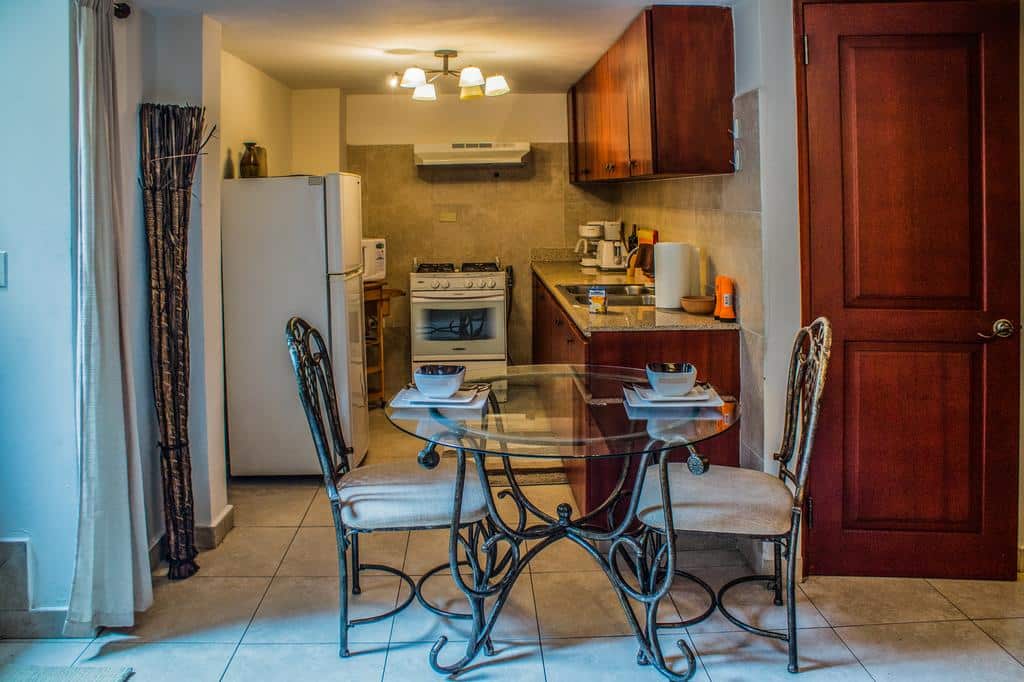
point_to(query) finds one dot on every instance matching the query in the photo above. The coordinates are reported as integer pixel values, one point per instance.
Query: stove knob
(435, 284)
(446, 284)
(469, 284)
(490, 283)
(482, 284)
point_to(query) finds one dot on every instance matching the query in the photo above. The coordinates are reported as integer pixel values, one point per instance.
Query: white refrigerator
(290, 246)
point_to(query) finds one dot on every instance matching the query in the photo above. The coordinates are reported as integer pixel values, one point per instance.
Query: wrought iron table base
(491, 550)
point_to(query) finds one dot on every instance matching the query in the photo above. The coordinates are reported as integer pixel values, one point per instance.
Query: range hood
(471, 154)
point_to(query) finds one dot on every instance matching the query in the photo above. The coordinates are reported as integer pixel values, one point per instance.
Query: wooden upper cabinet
(659, 101)
(635, 71)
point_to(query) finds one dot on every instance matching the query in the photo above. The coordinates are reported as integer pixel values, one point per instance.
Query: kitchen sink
(610, 289)
(618, 294)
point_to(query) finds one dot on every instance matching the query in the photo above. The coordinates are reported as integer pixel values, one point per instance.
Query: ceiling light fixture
(472, 83)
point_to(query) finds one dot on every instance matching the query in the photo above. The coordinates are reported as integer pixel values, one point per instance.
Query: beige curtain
(112, 577)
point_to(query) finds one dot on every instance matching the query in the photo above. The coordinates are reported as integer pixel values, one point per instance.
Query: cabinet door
(586, 126)
(573, 120)
(636, 78)
(613, 130)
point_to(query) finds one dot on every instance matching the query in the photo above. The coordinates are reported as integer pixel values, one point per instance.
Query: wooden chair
(392, 496)
(755, 504)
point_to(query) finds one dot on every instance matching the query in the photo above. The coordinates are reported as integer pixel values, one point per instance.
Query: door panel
(934, 436)
(911, 180)
(637, 79)
(922, 265)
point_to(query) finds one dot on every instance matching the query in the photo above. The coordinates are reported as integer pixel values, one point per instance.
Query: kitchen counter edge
(618, 319)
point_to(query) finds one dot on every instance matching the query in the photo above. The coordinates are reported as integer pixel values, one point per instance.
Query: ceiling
(539, 45)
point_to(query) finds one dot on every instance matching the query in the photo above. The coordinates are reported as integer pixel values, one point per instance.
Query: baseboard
(14, 574)
(34, 624)
(210, 537)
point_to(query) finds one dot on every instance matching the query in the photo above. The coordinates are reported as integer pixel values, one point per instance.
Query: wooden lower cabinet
(556, 339)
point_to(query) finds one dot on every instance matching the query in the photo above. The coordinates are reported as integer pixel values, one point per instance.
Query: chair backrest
(808, 365)
(315, 378)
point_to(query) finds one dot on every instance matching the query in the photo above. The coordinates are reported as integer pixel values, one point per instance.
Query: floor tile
(314, 551)
(319, 512)
(516, 622)
(41, 652)
(426, 549)
(206, 610)
(609, 659)
(709, 558)
(291, 662)
(560, 556)
(956, 650)
(1008, 633)
(749, 602)
(584, 605)
(512, 662)
(247, 551)
(305, 611)
(985, 598)
(271, 501)
(156, 662)
(742, 656)
(870, 601)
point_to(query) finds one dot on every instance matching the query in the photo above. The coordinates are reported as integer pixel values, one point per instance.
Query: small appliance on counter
(611, 252)
(375, 260)
(586, 246)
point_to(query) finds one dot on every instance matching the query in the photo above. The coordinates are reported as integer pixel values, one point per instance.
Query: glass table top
(566, 411)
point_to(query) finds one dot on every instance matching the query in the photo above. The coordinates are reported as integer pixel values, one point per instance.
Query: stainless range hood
(471, 154)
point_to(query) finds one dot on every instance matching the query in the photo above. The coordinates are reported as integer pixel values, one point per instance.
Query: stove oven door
(448, 328)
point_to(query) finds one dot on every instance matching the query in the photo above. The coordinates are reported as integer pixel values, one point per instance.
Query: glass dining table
(577, 414)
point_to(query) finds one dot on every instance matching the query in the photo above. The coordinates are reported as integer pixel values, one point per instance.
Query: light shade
(414, 77)
(471, 93)
(496, 85)
(425, 93)
(470, 77)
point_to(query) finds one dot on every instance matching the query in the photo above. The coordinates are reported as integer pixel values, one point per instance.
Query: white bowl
(439, 381)
(671, 378)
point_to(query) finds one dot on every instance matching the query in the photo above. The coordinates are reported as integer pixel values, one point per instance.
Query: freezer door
(348, 353)
(273, 268)
(344, 222)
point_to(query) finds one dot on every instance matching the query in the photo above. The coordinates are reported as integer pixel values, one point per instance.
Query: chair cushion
(722, 500)
(402, 494)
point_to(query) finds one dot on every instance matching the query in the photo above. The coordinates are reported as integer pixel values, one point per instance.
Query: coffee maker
(611, 252)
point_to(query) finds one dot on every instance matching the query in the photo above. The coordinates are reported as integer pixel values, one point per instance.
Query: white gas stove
(458, 315)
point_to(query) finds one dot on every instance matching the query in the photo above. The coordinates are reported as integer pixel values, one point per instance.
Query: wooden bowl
(698, 305)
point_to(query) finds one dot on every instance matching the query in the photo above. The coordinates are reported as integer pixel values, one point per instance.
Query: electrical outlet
(3, 269)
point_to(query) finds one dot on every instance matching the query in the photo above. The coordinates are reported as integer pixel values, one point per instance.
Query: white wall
(780, 218)
(317, 131)
(397, 119)
(255, 108)
(38, 475)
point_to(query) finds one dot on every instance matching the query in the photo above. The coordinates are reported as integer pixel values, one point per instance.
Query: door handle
(1001, 328)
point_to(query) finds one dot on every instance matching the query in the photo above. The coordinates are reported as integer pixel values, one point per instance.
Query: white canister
(673, 272)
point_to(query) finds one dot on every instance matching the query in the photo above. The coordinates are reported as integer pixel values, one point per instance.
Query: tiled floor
(264, 607)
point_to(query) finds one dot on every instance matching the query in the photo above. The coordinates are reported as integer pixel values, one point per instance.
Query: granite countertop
(618, 318)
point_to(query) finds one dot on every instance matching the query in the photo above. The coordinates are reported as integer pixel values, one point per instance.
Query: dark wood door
(911, 247)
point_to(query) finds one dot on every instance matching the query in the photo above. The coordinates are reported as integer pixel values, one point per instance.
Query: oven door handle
(424, 298)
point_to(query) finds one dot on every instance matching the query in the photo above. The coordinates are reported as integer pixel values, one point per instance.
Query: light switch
(448, 217)
(3, 269)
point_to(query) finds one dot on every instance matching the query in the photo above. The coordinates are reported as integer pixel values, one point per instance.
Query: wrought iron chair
(393, 496)
(755, 504)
